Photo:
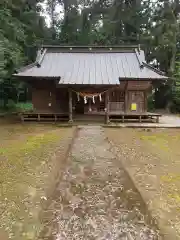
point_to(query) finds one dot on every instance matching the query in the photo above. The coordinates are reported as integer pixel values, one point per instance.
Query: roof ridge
(38, 61)
(24, 68)
(90, 46)
(40, 57)
(137, 52)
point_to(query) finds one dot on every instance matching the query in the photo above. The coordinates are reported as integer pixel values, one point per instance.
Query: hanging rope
(87, 95)
(78, 97)
(90, 95)
(100, 98)
(85, 100)
(93, 99)
(93, 94)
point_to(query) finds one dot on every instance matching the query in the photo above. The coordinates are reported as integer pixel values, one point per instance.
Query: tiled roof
(85, 66)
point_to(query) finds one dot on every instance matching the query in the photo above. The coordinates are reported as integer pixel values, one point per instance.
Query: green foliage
(21, 29)
(24, 107)
(11, 106)
(176, 99)
(153, 24)
(176, 89)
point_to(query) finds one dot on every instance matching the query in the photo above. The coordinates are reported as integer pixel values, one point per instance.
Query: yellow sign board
(133, 107)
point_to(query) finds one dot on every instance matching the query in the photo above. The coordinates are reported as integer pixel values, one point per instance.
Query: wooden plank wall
(45, 92)
(48, 99)
(116, 100)
(138, 98)
(138, 85)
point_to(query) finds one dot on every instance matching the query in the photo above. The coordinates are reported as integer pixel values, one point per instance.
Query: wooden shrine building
(74, 82)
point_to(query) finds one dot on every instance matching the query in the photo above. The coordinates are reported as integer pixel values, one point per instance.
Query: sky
(59, 10)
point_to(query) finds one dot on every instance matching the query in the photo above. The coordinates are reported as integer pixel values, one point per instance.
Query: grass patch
(152, 157)
(26, 164)
(14, 156)
(30, 144)
(170, 178)
(159, 140)
(175, 197)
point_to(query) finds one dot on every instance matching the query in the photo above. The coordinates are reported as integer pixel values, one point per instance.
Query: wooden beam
(70, 106)
(107, 107)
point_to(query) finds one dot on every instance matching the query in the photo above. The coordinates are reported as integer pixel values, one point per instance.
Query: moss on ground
(26, 160)
(159, 139)
(152, 156)
(170, 177)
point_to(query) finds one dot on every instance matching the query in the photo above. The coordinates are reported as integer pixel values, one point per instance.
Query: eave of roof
(56, 55)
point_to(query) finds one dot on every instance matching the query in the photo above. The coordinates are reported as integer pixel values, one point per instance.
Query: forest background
(27, 24)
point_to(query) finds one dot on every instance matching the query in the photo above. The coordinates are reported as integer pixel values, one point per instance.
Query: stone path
(95, 199)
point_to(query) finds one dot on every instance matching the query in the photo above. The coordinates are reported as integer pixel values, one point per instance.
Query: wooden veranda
(111, 117)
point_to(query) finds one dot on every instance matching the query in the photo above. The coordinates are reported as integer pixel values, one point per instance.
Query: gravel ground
(30, 158)
(170, 119)
(151, 157)
(95, 198)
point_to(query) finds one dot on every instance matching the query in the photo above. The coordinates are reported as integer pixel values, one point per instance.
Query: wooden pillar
(157, 119)
(140, 118)
(22, 117)
(126, 98)
(107, 107)
(70, 106)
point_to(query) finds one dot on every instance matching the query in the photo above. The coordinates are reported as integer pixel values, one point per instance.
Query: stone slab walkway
(95, 199)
